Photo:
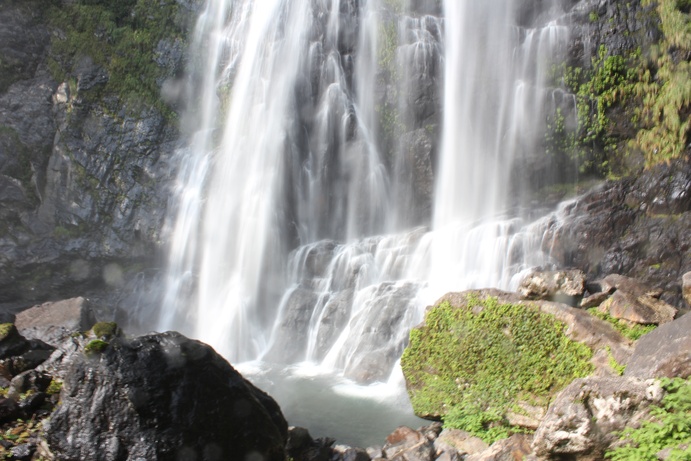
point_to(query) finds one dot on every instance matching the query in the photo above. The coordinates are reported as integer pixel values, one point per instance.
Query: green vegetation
(54, 387)
(617, 367)
(669, 428)
(471, 364)
(632, 332)
(608, 83)
(664, 87)
(6, 329)
(105, 330)
(121, 37)
(95, 347)
(633, 103)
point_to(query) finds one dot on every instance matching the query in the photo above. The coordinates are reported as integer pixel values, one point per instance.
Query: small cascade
(346, 164)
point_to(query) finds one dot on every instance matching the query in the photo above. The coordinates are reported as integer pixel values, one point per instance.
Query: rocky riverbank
(73, 389)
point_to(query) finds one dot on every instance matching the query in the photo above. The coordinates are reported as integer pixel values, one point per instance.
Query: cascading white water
(310, 225)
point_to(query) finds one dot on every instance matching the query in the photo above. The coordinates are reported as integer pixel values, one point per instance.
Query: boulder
(54, 321)
(643, 309)
(564, 286)
(516, 447)
(408, 444)
(665, 351)
(302, 447)
(630, 285)
(582, 422)
(460, 442)
(160, 397)
(594, 300)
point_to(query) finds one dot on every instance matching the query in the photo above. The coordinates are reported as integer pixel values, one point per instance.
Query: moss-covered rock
(95, 346)
(473, 362)
(106, 330)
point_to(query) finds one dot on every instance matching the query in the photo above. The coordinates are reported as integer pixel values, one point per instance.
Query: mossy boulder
(106, 330)
(481, 356)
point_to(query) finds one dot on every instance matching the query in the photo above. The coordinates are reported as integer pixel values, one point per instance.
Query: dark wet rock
(620, 27)
(417, 168)
(636, 227)
(563, 286)
(23, 452)
(30, 380)
(408, 444)
(302, 447)
(583, 420)
(9, 409)
(630, 285)
(83, 179)
(11, 342)
(335, 314)
(28, 360)
(31, 403)
(665, 351)
(297, 308)
(162, 396)
(377, 340)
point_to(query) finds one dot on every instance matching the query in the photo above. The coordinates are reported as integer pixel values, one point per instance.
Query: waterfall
(348, 162)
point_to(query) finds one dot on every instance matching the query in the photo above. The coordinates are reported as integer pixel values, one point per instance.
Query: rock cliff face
(84, 167)
(86, 161)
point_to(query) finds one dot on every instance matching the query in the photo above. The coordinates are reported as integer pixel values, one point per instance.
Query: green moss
(95, 347)
(54, 387)
(632, 332)
(472, 364)
(668, 428)
(105, 330)
(122, 38)
(6, 329)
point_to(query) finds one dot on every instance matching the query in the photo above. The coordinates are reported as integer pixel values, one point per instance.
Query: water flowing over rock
(161, 397)
(353, 180)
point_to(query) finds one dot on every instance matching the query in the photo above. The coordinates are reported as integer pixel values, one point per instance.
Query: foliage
(669, 428)
(628, 102)
(18, 433)
(472, 364)
(121, 37)
(665, 88)
(609, 82)
(632, 332)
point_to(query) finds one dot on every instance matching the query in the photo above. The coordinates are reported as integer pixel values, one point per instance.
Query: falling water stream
(347, 163)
